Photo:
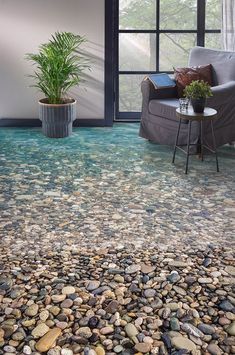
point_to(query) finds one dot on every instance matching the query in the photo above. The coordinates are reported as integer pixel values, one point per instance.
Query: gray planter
(57, 119)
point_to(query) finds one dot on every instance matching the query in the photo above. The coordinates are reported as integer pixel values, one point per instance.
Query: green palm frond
(59, 66)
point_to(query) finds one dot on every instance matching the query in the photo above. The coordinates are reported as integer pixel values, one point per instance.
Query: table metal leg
(214, 143)
(176, 142)
(188, 146)
(202, 139)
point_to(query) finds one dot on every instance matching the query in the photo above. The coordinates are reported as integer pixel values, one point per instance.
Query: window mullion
(157, 34)
(201, 22)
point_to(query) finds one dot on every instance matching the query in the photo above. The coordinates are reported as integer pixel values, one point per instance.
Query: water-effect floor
(108, 186)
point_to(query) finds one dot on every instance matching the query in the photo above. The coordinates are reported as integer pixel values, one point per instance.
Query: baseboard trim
(33, 122)
(91, 122)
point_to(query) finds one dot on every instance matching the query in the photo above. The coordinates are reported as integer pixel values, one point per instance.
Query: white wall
(24, 24)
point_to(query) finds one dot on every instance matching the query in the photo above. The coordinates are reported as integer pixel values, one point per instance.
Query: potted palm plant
(198, 91)
(59, 67)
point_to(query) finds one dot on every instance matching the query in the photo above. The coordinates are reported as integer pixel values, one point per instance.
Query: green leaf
(198, 89)
(59, 66)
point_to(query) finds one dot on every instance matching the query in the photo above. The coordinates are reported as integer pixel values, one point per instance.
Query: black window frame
(200, 32)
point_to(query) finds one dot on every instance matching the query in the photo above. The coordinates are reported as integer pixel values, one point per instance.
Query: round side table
(190, 115)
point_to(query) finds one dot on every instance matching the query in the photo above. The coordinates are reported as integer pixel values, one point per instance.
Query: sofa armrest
(222, 94)
(150, 93)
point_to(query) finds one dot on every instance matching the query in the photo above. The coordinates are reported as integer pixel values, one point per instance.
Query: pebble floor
(106, 247)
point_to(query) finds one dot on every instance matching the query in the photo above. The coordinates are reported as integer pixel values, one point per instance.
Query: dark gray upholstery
(158, 120)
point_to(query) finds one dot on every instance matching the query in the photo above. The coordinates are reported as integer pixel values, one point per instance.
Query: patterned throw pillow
(184, 76)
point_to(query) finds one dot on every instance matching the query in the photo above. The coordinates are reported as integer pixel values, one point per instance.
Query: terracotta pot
(198, 104)
(57, 119)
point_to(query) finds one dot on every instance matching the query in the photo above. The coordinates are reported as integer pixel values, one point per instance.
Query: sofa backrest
(223, 63)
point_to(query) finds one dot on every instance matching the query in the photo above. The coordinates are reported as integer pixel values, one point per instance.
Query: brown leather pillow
(184, 76)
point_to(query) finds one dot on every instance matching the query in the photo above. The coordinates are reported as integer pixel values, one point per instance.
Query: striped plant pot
(57, 119)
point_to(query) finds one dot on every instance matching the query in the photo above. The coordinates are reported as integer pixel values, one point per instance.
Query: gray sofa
(158, 119)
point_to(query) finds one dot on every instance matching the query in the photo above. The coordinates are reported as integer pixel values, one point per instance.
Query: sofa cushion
(184, 76)
(164, 108)
(223, 71)
(202, 56)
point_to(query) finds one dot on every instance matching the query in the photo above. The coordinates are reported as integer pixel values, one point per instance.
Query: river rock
(99, 350)
(143, 347)
(131, 330)
(32, 310)
(2, 333)
(149, 293)
(214, 349)
(48, 340)
(55, 351)
(93, 285)
(175, 325)
(207, 262)
(66, 352)
(5, 283)
(205, 280)
(192, 330)
(226, 306)
(173, 306)
(179, 290)
(231, 329)
(147, 269)
(84, 332)
(40, 330)
(9, 350)
(93, 322)
(173, 277)
(58, 298)
(67, 303)
(206, 329)
(183, 343)
(44, 315)
(112, 307)
(27, 350)
(118, 349)
(230, 269)
(106, 330)
(133, 269)
(178, 263)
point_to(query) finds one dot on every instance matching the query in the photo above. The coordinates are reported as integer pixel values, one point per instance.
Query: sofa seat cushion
(164, 108)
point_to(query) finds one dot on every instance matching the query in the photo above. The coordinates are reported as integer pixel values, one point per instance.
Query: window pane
(213, 14)
(178, 14)
(174, 49)
(137, 14)
(137, 51)
(130, 97)
(213, 40)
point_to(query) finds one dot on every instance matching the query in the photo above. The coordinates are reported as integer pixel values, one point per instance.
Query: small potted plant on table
(58, 69)
(198, 91)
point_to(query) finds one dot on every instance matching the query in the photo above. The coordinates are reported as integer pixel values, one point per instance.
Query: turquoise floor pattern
(107, 185)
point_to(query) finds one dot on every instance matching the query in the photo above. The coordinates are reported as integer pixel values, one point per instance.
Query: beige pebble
(47, 341)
